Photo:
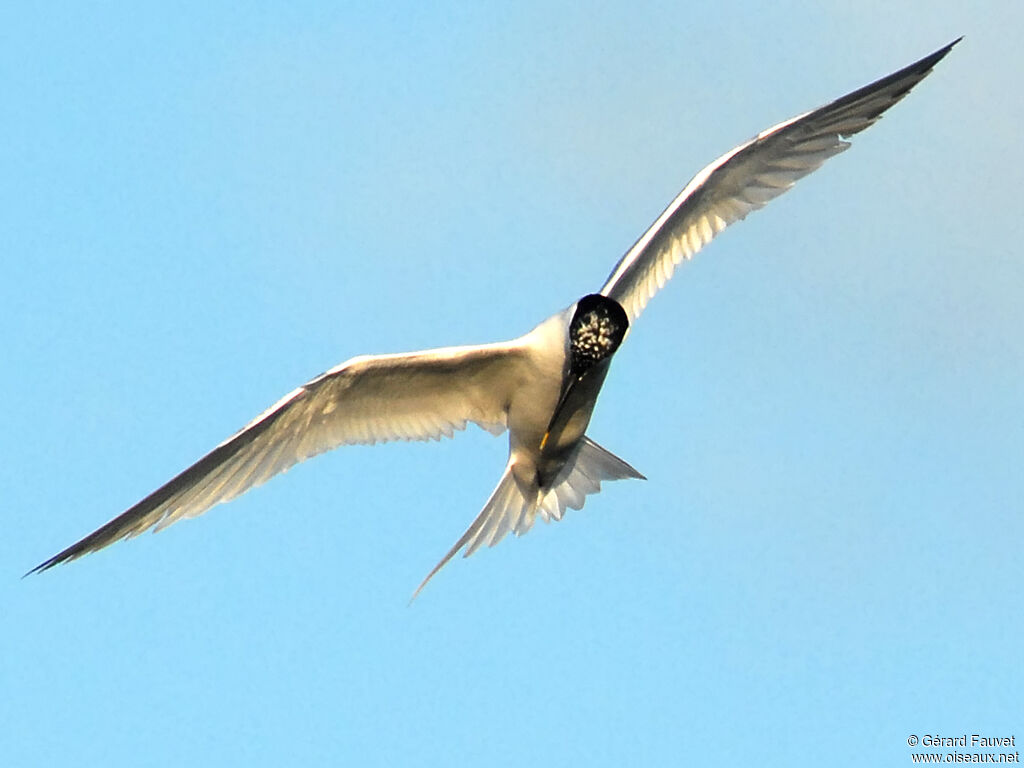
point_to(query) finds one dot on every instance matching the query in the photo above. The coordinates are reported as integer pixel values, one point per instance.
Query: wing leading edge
(416, 396)
(749, 176)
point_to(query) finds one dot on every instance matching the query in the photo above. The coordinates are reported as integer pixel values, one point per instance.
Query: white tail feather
(509, 510)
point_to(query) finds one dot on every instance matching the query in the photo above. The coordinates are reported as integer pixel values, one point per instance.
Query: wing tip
(59, 559)
(940, 54)
(105, 535)
(44, 566)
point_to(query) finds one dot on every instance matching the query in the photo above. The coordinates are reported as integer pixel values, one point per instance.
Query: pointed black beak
(567, 389)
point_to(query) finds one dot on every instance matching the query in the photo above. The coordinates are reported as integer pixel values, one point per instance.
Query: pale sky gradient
(206, 206)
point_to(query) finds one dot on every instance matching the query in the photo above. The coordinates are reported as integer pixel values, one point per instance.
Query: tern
(542, 387)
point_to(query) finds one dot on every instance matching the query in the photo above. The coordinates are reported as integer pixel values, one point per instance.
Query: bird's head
(595, 332)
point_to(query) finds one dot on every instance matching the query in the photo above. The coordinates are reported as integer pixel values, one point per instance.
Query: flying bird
(542, 387)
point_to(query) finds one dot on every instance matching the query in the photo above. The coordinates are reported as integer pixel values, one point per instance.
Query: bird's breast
(535, 397)
(534, 394)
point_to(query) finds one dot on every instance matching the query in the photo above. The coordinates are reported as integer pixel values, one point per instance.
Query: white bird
(542, 387)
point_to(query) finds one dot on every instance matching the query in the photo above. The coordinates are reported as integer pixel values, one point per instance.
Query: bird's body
(541, 386)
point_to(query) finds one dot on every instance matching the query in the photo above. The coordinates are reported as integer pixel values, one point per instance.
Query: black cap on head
(596, 330)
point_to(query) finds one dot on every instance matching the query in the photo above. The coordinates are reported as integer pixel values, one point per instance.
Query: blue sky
(207, 205)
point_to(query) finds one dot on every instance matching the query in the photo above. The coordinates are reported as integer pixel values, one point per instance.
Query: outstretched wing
(416, 396)
(747, 177)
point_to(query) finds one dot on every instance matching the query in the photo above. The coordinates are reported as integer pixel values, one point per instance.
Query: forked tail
(510, 509)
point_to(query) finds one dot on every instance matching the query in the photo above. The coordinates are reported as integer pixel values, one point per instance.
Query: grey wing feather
(749, 176)
(416, 396)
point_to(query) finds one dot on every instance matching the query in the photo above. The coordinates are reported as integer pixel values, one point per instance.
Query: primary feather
(749, 176)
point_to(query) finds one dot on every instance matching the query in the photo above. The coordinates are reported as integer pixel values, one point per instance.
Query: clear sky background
(206, 205)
